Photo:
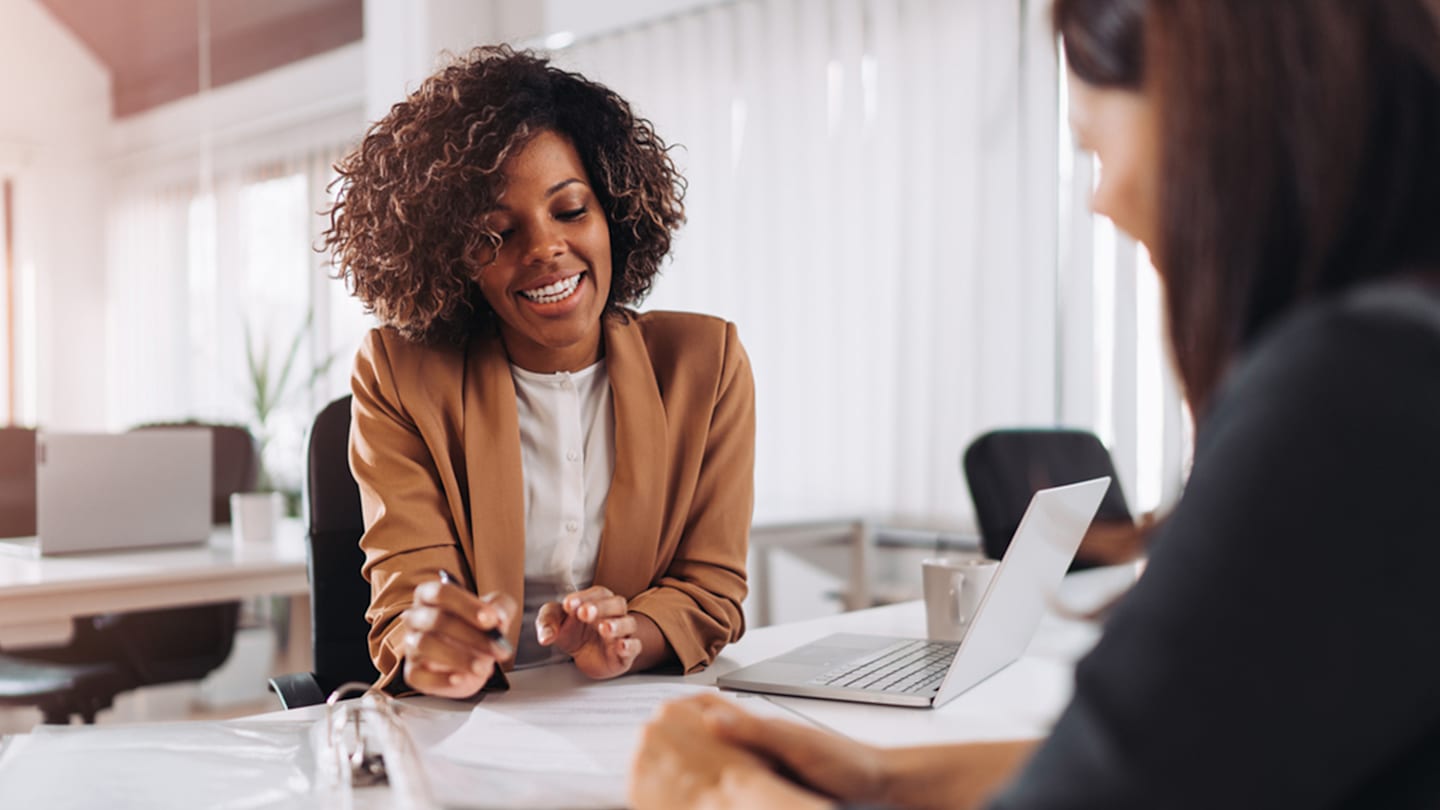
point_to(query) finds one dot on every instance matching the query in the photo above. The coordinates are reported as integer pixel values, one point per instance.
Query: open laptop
(915, 672)
(113, 491)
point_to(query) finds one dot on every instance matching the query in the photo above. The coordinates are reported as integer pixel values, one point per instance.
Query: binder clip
(364, 744)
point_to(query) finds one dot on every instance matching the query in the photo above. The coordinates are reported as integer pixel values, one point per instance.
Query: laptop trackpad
(816, 655)
(833, 650)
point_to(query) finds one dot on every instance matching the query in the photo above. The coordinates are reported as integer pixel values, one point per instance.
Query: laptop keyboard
(915, 667)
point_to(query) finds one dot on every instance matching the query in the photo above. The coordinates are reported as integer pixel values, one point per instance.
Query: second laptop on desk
(112, 491)
(914, 672)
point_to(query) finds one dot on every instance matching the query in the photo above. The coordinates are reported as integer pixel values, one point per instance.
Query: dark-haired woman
(586, 470)
(1280, 161)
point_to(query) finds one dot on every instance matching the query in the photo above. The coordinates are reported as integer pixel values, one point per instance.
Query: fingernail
(608, 627)
(455, 679)
(587, 612)
(478, 667)
(421, 618)
(430, 591)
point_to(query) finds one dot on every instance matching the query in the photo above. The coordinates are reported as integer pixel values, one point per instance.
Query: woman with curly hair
(518, 432)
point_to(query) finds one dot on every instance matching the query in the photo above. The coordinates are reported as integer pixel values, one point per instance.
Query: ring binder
(364, 743)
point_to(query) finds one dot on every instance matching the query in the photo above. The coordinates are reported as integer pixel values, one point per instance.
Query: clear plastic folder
(357, 756)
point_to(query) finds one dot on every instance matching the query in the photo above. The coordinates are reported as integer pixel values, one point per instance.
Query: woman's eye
(506, 234)
(574, 213)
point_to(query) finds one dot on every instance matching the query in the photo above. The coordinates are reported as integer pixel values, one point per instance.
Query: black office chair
(339, 595)
(1004, 468)
(115, 653)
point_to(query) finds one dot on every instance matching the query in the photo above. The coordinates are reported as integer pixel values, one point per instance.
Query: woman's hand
(833, 765)
(594, 627)
(447, 647)
(675, 748)
(680, 763)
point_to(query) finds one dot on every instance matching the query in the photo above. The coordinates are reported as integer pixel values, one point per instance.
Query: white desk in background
(40, 596)
(860, 536)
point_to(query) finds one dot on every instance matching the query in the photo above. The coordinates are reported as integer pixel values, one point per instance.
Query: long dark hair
(1104, 40)
(1300, 152)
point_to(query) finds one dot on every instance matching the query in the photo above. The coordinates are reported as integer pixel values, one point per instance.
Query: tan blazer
(435, 447)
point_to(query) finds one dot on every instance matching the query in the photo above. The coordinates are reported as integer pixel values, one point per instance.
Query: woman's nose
(545, 244)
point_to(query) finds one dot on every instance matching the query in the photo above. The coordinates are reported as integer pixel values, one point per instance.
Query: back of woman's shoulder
(1395, 318)
(1362, 345)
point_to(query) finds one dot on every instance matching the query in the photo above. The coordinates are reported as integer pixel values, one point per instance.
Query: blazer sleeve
(696, 601)
(409, 533)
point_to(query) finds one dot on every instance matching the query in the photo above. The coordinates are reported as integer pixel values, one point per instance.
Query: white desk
(40, 596)
(1020, 701)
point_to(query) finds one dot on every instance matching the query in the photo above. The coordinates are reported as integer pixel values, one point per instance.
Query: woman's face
(551, 276)
(1120, 128)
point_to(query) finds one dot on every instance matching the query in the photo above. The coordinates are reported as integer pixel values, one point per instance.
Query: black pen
(496, 637)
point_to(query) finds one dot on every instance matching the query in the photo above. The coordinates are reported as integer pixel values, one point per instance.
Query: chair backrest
(235, 467)
(339, 595)
(17, 482)
(1004, 468)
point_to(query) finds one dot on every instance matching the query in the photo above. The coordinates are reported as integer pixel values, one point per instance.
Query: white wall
(585, 18)
(54, 110)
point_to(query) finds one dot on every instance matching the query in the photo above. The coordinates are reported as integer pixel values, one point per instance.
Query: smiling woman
(549, 279)
(585, 470)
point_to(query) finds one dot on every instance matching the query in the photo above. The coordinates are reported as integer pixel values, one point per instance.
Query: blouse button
(573, 455)
(572, 526)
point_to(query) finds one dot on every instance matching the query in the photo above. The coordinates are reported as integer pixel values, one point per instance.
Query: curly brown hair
(406, 231)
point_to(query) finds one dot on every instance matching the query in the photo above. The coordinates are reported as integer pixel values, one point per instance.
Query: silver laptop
(112, 491)
(916, 672)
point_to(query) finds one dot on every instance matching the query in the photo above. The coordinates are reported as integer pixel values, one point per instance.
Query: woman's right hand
(834, 765)
(447, 648)
(828, 763)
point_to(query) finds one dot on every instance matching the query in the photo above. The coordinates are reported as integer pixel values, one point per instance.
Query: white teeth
(551, 293)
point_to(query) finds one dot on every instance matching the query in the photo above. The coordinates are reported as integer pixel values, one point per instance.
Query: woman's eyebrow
(550, 192)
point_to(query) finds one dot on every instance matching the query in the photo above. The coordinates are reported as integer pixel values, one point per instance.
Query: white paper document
(592, 729)
(558, 748)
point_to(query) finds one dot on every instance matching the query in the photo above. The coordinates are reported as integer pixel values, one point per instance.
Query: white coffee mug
(254, 516)
(953, 590)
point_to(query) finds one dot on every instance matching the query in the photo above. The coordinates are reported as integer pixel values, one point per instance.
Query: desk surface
(1022, 700)
(39, 596)
(1019, 701)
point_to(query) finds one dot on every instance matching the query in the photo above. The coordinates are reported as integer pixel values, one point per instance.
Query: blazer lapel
(493, 469)
(634, 509)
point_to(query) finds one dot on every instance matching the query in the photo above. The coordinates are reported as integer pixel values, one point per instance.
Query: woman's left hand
(594, 627)
(681, 763)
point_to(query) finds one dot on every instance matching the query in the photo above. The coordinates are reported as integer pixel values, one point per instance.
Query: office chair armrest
(298, 689)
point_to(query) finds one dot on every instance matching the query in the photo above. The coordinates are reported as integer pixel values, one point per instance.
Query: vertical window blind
(873, 200)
